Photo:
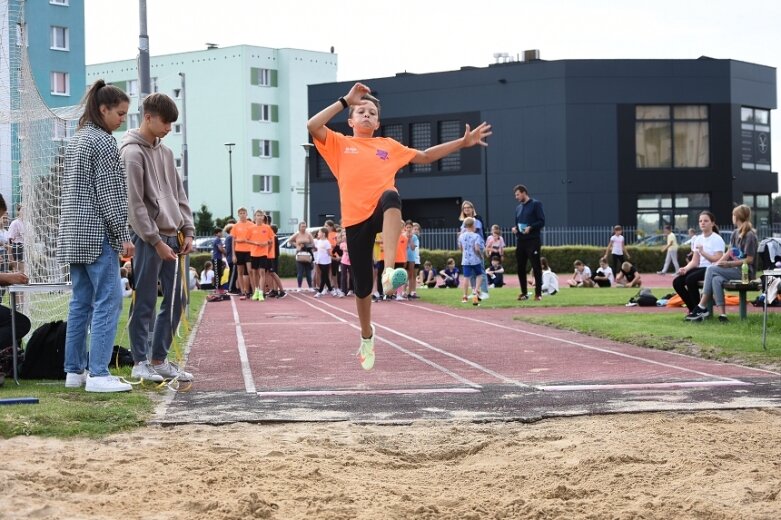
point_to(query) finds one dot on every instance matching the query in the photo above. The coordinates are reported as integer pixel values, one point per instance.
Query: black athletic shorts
(360, 243)
(243, 258)
(259, 262)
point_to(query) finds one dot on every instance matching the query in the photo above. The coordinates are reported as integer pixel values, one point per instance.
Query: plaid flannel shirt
(94, 197)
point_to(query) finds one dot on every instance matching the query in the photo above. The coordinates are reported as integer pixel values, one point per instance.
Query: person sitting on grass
(427, 277)
(450, 275)
(581, 277)
(495, 273)
(604, 275)
(628, 276)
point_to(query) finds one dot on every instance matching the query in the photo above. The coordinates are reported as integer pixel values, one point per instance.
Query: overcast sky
(377, 39)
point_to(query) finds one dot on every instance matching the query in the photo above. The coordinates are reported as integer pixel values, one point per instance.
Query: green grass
(65, 412)
(738, 341)
(506, 297)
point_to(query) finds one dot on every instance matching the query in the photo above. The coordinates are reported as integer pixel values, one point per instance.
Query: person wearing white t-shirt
(604, 275)
(707, 249)
(323, 260)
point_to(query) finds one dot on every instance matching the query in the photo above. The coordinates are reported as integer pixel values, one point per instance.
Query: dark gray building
(637, 142)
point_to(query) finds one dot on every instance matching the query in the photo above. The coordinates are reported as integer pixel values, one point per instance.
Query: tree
(204, 224)
(776, 209)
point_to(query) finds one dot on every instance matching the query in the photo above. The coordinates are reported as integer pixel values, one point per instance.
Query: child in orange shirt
(365, 169)
(241, 252)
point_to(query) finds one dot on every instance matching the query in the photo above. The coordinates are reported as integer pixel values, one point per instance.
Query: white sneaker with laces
(144, 370)
(106, 384)
(73, 380)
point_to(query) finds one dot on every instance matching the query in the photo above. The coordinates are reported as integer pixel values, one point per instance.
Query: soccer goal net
(32, 146)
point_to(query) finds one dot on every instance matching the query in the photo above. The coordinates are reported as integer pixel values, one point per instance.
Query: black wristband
(343, 102)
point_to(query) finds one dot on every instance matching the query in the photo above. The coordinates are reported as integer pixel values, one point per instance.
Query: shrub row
(560, 258)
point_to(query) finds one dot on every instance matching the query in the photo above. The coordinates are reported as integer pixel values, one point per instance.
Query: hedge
(560, 258)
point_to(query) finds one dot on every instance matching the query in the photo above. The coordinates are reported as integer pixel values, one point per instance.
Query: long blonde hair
(467, 203)
(742, 214)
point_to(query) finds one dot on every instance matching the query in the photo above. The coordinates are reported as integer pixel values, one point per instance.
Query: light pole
(307, 147)
(230, 146)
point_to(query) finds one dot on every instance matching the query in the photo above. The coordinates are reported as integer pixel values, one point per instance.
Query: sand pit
(724, 464)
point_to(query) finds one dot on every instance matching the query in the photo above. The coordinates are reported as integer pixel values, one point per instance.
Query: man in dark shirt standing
(529, 221)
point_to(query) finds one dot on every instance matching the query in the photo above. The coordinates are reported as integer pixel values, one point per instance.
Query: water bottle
(744, 272)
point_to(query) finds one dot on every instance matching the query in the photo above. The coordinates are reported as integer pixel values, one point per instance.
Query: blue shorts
(472, 270)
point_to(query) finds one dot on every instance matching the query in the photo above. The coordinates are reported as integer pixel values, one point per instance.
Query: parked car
(659, 239)
(204, 244)
(286, 247)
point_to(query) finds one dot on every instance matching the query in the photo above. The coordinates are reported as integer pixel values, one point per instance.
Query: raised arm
(470, 138)
(316, 125)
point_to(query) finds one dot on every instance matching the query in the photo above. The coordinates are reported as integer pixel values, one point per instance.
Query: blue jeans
(96, 303)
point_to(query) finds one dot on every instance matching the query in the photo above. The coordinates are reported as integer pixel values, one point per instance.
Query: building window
(61, 130)
(132, 121)
(178, 162)
(672, 136)
(154, 86)
(21, 35)
(263, 77)
(132, 87)
(420, 137)
(755, 139)
(395, 132)
(178, 128)
(760, 208)
(261, 112)
(265, 148)
(58, 2)
(60, 83)
(60, 38)
(679, 210)
(448, 131)
(261, 183)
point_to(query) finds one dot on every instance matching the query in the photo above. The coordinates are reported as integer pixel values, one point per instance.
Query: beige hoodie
(157, 202)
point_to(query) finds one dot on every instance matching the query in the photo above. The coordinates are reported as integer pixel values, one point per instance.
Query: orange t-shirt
(364, 168)
(272, 252)
(262, 233)
(242, 231)
(401, 249)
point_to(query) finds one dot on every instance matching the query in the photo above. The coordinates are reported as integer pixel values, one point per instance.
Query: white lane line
(640, 386)
(578, 344)
(429, 346)
(317, 393)
(246, 370)
(395, 345)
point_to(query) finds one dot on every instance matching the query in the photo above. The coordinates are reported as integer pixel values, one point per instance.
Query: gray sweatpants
(148, 269)
(715, 277)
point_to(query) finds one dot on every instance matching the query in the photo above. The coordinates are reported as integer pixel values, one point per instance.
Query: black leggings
(687, 286)
(529, 250)
(325, 277)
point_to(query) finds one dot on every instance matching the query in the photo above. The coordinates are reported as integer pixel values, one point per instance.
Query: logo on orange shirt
(351, 150)
(382, 154)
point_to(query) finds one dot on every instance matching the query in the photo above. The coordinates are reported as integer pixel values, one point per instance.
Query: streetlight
(307, 147)
(230, 146)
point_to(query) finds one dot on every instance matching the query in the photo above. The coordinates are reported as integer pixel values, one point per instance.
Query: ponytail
(742, 214)
(100, 94)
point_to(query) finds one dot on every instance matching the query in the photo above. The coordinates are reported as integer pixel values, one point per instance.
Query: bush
(560, 258)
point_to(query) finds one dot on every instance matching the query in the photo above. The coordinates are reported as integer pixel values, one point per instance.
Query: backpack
(44, 357)
(644, 298)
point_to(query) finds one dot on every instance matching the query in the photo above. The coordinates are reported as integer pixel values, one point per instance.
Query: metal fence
(566, 236)
(446, 238)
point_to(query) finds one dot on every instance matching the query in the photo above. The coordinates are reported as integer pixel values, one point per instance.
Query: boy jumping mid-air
(365, 169)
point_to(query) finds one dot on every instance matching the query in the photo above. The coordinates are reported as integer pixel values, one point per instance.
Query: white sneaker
(170, 370)
(317, 295)
(484, 296)
(400, 298)
(339, 294)
(145, 371)
(75, 380)
(106, 384)
(350, 293)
